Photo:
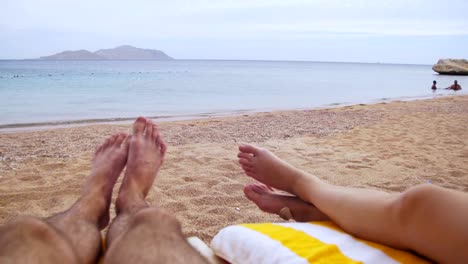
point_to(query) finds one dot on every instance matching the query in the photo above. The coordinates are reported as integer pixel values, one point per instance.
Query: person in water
(455, 86)
(434, 87)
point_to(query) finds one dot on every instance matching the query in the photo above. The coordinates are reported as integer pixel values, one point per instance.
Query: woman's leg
(428, 219)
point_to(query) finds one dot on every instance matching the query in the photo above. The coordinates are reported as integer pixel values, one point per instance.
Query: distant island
(124, 52)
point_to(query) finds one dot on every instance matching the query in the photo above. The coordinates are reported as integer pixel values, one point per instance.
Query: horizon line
(251, 60)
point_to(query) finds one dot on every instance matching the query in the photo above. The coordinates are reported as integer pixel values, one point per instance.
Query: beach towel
(314, 242)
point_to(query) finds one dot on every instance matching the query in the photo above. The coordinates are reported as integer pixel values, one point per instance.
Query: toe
(121, 137)
(262, 187)
(248, 191)
(254, 194)
(149, 128)
(156, 134)
(245, 162)
(244, 155)
(139, 126)
(247, 169)
(250, 173)
(99, 148)
(248, 149)
(126, 142)
(109, 141)
(163, 148)
(114, 138)
(268, 188)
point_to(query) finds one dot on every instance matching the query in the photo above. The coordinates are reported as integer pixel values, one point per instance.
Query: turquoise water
(53, 91)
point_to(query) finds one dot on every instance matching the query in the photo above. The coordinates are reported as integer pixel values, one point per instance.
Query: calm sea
(54, 91)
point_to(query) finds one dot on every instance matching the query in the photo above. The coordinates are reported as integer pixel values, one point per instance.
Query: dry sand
(387, 146)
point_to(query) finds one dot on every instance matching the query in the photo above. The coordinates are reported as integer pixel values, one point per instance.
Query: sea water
(54, 91)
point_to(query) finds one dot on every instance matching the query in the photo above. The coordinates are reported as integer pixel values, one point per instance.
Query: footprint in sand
(175, 207)
(357, 167)
(456, 174)
(230, 167)
(187, 191)
(53, 166)
(188, 179)
(30, 178)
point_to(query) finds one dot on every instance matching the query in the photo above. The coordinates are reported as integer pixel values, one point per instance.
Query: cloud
(54, 25)
(213, 17)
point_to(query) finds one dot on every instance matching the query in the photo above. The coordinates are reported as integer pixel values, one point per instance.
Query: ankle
(304, 185)
(92, 203)
(126, 204)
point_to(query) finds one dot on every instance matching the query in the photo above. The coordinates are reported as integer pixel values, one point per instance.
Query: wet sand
(387, 146)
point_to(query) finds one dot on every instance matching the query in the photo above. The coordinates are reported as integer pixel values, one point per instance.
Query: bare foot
(107, 164)
(266, 168)
(286, 206)
(145, 157)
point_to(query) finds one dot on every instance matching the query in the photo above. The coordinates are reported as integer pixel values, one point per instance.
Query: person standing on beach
(139, 233)
(427, 219)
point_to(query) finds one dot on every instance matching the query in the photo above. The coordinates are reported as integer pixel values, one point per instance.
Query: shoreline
(38, 126)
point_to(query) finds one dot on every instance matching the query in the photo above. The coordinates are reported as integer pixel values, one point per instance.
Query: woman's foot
(286, 206)
(266, 168)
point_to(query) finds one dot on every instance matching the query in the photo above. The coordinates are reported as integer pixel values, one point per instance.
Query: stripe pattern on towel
(315, 242)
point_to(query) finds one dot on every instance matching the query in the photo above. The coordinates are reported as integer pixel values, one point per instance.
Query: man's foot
(286, 206)
(107, 164)
(141, 233)
(266, 168)
(145, 157)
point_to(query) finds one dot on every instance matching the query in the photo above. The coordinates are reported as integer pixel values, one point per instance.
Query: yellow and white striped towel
(315, 242)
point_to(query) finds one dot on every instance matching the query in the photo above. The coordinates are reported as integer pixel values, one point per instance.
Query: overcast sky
(395, 31)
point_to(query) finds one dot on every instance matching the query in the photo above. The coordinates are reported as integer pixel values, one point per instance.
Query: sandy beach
(387, 146)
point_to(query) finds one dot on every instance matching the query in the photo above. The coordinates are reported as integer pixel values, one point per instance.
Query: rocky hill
(73, 55)
(125, 52)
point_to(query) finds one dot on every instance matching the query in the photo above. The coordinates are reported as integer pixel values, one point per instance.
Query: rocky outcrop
(451, 67)
(119, 53)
